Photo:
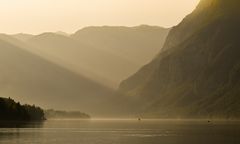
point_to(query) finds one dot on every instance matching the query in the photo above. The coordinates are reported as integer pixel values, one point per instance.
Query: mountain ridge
(196, 73)
(107, 54)
(32, 79)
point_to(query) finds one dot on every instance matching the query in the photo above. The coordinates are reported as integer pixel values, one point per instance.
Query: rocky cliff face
(197, 74)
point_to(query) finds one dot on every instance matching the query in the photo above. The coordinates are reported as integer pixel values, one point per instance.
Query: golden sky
(36, 16)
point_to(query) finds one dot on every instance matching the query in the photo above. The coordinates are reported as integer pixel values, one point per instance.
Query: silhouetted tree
(10, 110)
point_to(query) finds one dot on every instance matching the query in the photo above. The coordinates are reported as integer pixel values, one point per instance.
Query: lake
(123, 132)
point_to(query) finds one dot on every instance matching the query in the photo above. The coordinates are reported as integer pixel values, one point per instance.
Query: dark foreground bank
(14, 111)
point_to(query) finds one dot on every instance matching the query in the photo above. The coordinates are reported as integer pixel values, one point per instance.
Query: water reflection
(17, 124)
(13, 132)
(122, 132)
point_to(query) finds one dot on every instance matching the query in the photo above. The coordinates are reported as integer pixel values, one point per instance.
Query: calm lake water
(123, 132)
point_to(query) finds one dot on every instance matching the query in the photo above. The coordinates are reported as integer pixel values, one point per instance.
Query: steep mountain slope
(27, 77)
(105, 54)
(197, 72)
(83, 59)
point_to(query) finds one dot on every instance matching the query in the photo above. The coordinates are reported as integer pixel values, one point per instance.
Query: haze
(37, 16)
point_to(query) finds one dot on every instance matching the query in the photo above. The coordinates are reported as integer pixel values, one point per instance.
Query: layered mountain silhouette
(32, 79)
(197, 73)
(105, 54)
(23, 36)
(74, 72)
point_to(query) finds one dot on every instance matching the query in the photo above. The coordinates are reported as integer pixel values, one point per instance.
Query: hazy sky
(36, 16)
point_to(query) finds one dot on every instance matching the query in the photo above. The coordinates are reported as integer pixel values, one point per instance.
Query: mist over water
(123, 132)
(61, 88)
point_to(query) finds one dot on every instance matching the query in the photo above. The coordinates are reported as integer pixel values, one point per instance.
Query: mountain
(77, 57)
(196, 74)
(137, 44)
(62, 33)
(106, 54)
(23, 36)
(29, 78)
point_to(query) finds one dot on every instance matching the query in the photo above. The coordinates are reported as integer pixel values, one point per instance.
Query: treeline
(14, 111)
(56, 114)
